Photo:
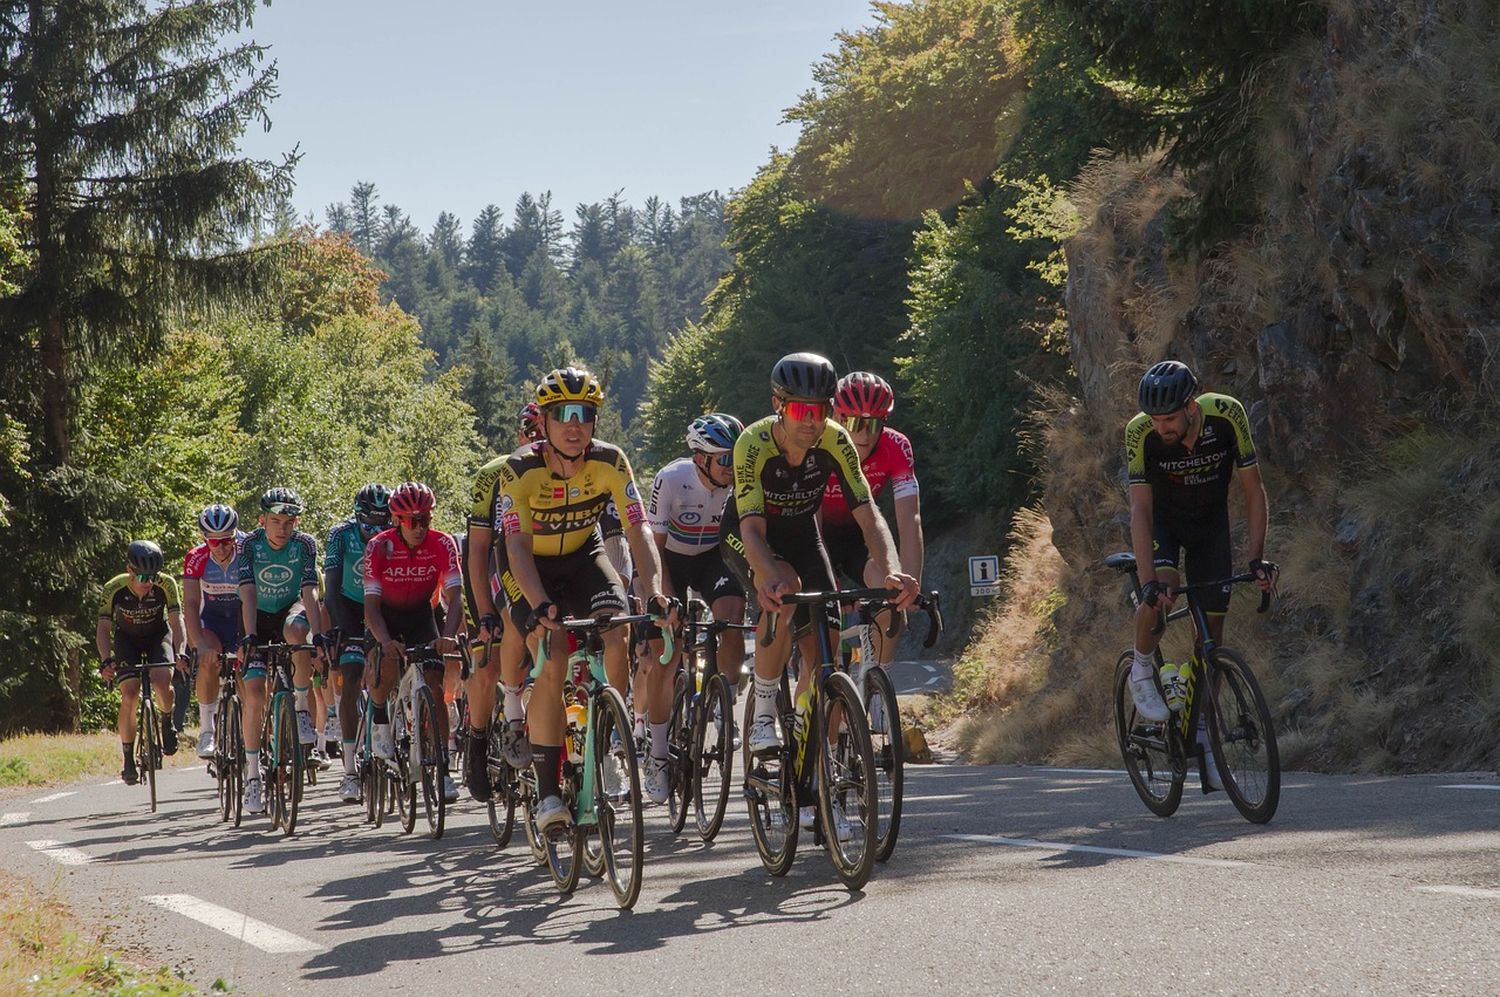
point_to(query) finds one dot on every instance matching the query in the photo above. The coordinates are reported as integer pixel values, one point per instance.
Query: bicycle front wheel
(771, 793)
(1243, 736)
(847, 798)
(503, 786)
(430, 741)
(883, 716)
(146, 738)
(1146, 747)
(621, 828)
(679, 751)
(712, 756)
(288, 766)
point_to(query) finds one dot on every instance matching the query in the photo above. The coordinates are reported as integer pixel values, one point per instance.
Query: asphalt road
(1006, 880)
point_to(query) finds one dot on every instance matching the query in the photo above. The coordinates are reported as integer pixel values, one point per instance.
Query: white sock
(515, 709)
(348, 754)
(765, 696)
(1142, 666)
(206, 716)
(658, 740)
(299, 698)
(252, 763)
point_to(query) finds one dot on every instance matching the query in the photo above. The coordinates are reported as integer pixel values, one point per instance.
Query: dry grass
(49, 759)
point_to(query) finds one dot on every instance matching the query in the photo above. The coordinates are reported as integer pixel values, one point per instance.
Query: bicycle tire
(1243, 735)
(503, 784)
(712, 762)
(1148, 748)
(679, 751)
(429, 738)
(847, 782)
(237, 759)
(534, 838)
(774, 821)
(289, 767)
(145, 732)
(223, 780)
(589, 840)
(887, 742)
(402, 786)
(624, 853)
(564, 847)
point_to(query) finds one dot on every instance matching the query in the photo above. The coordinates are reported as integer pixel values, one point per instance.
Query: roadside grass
(50, 759)
(44, 950)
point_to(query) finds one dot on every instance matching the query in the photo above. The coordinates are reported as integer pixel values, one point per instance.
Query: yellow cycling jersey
(559, 514)
(765, 484)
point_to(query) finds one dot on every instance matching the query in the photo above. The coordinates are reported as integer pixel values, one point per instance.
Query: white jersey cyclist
(685, 509)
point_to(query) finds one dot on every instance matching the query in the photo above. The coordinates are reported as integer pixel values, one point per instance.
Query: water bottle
(1174, 686)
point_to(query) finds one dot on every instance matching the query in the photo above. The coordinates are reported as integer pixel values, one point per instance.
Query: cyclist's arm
(104, 636)
(909, 524)
(314, 609)
(174, 611)
(193, 599)
(647, 564)
(518, 548)
(477, 567)
(1257, 509)
(757, 548)
(1141, 516)
(375, 620)
(877, 538)
(333, 581)
(174, 624)
(453, 616)
(247, 592)
(666, 578)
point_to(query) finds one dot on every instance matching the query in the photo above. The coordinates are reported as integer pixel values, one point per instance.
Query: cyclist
(485, 559)
(552, 494)
(140, 623)
(344, 585)
(278, 601)
(770, 534)
(211, 587)
(687, 505)
(1181, 449)
(861, 404)
(404, 565)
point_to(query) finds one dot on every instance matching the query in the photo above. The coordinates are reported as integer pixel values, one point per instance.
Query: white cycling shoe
(255, 802)
(206, 744)
(1148, 701)
(551, 813)
(763, 735)
(349, 788)
(658, 781)
(450, 790)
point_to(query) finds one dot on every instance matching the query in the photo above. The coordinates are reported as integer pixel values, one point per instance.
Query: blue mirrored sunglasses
(573, 412)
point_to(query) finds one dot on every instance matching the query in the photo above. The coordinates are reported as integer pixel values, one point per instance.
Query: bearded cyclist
(1181, 450)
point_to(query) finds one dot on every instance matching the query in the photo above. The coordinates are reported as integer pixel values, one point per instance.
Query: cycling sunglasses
(573, 412)
(860, 424)
(218, 541)
(146, 578)
(805, 411)
(416, 519)
(725, 459)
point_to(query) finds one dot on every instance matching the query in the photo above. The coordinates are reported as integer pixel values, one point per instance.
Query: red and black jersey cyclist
(770, 530)
(861, 404)
(404, 566)
(1181, 451)
(140, 623)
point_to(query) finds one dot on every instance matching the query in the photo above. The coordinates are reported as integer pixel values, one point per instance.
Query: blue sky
(456, 103)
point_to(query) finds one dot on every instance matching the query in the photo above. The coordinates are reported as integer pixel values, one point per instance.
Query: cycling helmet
(804, 375)
(411, 498)
(281, 500)
(144, 558)
(569, 384)
(372, 506)
(218, 520)
(529, 421)
(863, 395)
(1166, 388)
(714, 433)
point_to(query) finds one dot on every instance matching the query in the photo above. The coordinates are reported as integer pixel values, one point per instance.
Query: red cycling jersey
(405, 577)
(890, 463)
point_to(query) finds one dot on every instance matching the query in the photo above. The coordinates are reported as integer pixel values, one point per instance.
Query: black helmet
(144, 558)
(1166, 388)
(804, 375)
(372, 506)
(281, 500)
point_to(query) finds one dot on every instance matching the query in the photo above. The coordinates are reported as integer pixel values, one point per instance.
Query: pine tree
(364, 219)
(484, 254)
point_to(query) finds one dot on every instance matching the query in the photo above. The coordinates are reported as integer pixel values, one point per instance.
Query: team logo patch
(274, 575)
(631, 493)
(506, 503)
(574, 493)
(765, 437)
(634, 514)
(690, 517)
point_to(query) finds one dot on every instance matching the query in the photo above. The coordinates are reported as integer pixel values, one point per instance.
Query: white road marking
(15, 819)
(1084, 771)
(931, 799)
(1473, 786)
(1129, 853)
(113, 782)
(247, 929)
(1461, 891)
(54, 796)
(59, 852)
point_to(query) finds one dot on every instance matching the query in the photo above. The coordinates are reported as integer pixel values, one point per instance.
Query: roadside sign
(984, 575)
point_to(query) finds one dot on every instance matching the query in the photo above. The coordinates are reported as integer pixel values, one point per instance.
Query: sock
(547, 760)
(348, 754)
(765, 696)
(515, 709)
(659, 740)
(380, 715)
(299, 698)
(125, 749)
(640, 725)
(206, 716)
(1142, 666)
(252, 763)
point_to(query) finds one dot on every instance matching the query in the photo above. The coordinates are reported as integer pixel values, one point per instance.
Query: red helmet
(411, 498)
(529, 421)
(863, 394)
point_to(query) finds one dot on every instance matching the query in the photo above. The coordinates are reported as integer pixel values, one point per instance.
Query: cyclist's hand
(393, 649)
(769, 594)
(546, 615)
(1158, 594)
(321, 646)
(907, 586)
(489, 628)
(666, 608)
(107, 669)
(184, 663)
(1266, 573)
(445, 644)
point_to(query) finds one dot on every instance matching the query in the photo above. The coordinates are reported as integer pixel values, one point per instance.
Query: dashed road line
(1461, 891)
(54, 796)
(241, 926)
(1480, 786)
(1128, 853)
(59, 852)
(15, 819)
(1082, 771)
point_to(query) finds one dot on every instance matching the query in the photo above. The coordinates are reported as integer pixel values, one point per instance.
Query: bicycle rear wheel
(712, 762)
(1243, 735)
(883, 716)
(620, 825)
(430, 740)
(848, 802)
(534, 839)
(503, 786)
(679, 751)
(771, 793)
(1146, 746)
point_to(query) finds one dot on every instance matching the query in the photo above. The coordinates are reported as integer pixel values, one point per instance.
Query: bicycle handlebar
(931, 603)
(1161, 619)
(599, 624)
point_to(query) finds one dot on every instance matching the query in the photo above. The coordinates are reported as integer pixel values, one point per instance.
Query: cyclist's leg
(209, 650)
(295, 632)
(725, 595)
(166, 692)
(349, 619)
(544, 712)
(1166, 548)
(1208, 555)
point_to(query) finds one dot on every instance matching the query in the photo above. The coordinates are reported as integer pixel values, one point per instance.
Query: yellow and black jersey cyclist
(769, 533)
(552, 495)
(1181, 451)
(140, 623)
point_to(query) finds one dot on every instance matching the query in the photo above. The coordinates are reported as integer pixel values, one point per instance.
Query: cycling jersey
(346, 553)
(686, 510)
(405, 578)
(278, 575)
(1191, 485)
(766, 485)
(890, 463)
(560, 514)
(219, 584)
(139, 616)
(484, 505)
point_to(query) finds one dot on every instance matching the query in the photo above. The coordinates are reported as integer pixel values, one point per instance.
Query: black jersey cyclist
(1181, 451)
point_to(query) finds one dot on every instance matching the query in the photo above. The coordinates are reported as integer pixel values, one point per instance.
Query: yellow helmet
(569, 384)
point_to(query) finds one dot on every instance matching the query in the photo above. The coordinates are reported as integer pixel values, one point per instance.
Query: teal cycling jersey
(346, 553)
(278, 575)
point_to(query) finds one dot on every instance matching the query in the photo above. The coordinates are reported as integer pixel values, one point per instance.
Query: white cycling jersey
(686, 510)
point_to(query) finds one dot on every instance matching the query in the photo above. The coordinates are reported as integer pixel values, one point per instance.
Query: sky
(454, 104)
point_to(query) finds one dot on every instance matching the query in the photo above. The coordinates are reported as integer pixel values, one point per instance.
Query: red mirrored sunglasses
(416, 519)
(805, 411)
(218, 541)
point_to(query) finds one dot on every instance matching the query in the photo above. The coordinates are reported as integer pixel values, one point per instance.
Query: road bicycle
(284, 759)
(228, 761)
(147, 745)
(1241, 731)
(417, 747)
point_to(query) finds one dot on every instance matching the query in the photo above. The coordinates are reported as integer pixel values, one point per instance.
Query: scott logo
(274, 575)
